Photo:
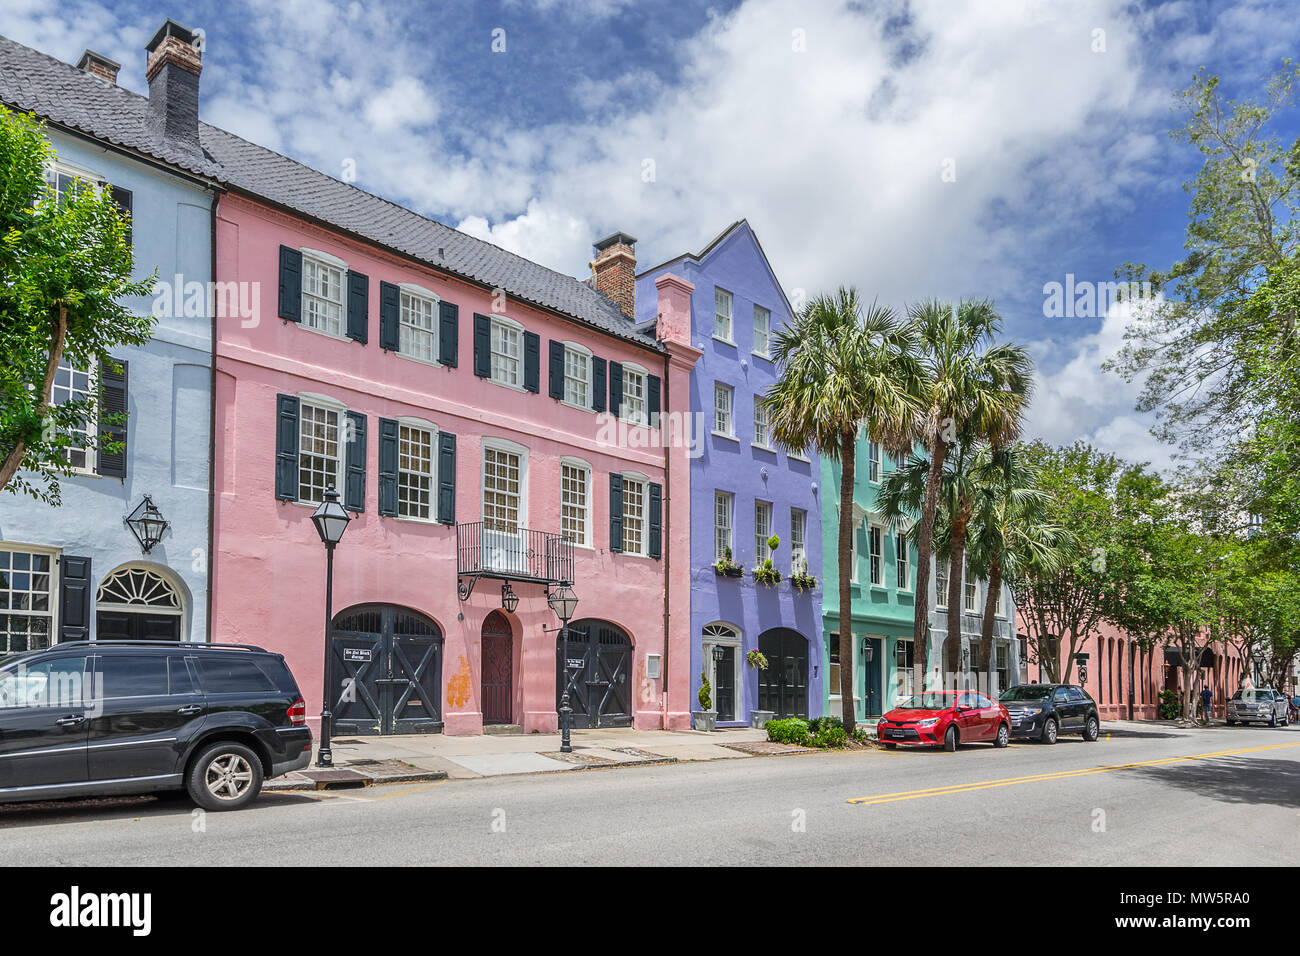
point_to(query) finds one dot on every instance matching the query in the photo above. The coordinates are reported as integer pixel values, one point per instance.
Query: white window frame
(577, 464)
(761, 551)
(325, 402)
(940, 590)
(631, 478)
(903, 561)
(798, 542)
(725, 634)
(1000, 609)
(578, 352)
(632, 371)
(766, 351)
(720, 389)
(324, 260)
(501, 322)
(876, 546)
(408, 290)
(970, 593)
(52, 613)
(763, 441)
(873, 462)
(61, 167)
(853, 554)
(511, 448)
(91, 425)
(426, 426)
(720, 549)
(721, 295)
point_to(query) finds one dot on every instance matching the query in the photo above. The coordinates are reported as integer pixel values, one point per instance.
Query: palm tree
(843, 368)
(974, 389)
(1012, 531)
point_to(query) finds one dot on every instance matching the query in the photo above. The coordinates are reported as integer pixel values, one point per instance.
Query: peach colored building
(490, 424)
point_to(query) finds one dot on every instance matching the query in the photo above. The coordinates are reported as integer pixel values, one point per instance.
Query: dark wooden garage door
(600, 655)
(387, 671)
(783, 687)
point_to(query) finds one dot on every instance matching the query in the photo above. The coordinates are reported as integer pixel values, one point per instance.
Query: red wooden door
(498, 670)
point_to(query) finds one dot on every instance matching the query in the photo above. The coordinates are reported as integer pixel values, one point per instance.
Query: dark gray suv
(91, 718)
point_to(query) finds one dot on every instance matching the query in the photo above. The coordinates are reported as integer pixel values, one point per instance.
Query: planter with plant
(728, 568)
(766, 573)
(706, 718)
(757, 659)
(801, 580)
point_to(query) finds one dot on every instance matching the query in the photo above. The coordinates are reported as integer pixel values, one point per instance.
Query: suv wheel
(1272, 720)
(1004, 736)
(1049, 731)
(225, 776)
(1091, 730)
(950, 740)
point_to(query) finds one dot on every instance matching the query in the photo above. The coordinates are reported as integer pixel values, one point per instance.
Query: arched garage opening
(783, 687)
(600, 655)
(387, 671)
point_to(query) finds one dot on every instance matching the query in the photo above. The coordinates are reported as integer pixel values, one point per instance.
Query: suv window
(182, 680)
(132, 675)
(1060, 695)
(1076, 694)
(47, 683)
(232, 675)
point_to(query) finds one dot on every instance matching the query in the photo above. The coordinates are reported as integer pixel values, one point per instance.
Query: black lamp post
(331, 521)
(563, 602)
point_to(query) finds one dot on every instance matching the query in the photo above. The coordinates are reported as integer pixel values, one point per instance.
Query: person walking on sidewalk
(1207, 698)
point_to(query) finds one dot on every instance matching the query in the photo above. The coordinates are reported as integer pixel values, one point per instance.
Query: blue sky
(829, 125)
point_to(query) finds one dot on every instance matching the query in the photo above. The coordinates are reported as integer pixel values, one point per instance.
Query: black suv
(93, 718)
(1046, 710)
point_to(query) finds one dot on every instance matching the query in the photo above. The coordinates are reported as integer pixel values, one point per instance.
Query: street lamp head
(330, 518)
(509, 599)
(563, 602)
(147, 524)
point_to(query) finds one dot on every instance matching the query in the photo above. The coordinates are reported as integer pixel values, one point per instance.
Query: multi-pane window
(722, 314)
(634, 495)
(1000, 609)
(414, 471)
(319, 448)
(1002, 664)
(322, 296)
(501, 490)
(577, 377)
(419, 327)
(722, 418)
(972, 594)
(798, 540)
(507, 353)
(877, 556)
(633, 407)
(833, 665)
(722, 507)
(762, 330)
(762, 530)
(762, 425)
(574, 498)
(940, 583)
(26, 600)
(74, 385)
(873, 462)
(903, 663)
(904, 573)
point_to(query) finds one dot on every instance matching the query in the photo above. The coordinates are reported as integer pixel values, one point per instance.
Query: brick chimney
(173, 74)
(99, 65)
(614, 269)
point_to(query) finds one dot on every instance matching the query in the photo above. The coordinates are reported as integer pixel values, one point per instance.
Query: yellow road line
(1057, 775)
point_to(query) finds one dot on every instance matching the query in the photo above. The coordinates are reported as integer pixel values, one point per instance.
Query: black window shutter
(387, 467)
(555, 386)
(74, 598)
(358, 307)
(125, 202)
(448, 334)
(446, 478)
(615, 512)
(290, 284)
(390, 309)
(598, 384)
(656, 519)
(354, 482)
(482, 345)
(112, 419)
(652, 389)
(532, 361)
(286, 448)
(615, 388)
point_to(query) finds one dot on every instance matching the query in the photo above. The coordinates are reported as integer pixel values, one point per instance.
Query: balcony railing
(492, 550)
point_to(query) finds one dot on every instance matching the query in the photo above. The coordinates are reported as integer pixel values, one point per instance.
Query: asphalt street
(1218, 796)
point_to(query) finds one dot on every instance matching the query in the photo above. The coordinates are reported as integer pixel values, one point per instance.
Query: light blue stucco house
(79, 571)
(744, 490)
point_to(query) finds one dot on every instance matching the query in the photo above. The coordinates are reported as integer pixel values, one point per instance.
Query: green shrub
(1171, 705)
(830, 736)
(788, 730)
(824, 723)
(706, 692)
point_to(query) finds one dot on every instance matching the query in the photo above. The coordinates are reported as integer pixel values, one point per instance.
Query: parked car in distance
(1259, 705)
(1045, 711)
(92, 718)
(946, 718)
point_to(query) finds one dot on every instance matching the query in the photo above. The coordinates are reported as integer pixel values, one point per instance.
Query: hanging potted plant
(728, 568)
(706, 718)
(758, 718)
(766, 573)
(801, 580)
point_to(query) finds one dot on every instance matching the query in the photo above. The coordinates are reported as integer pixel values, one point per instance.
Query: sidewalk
(437, 756)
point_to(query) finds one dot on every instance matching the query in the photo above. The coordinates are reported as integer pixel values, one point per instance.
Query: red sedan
(945, 718)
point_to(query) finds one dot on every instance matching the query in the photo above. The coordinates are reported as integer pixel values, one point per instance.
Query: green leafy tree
(64, 264)
(843, 368)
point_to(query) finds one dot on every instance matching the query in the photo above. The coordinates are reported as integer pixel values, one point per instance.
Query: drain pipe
(667, 526)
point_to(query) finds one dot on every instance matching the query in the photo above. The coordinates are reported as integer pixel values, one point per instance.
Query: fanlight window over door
(139, 589)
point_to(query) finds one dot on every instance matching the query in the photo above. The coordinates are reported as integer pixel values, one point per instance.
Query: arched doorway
(138, 604)
(498, 656)
(721, 645)
(783, 687)
(387, 671)
(601, 660)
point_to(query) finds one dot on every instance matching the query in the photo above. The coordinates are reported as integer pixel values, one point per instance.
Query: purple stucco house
(744, 490)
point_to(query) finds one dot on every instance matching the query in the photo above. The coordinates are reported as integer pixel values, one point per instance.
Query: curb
(359, 782)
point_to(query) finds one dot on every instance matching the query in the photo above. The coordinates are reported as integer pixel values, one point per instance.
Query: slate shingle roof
(66, 96)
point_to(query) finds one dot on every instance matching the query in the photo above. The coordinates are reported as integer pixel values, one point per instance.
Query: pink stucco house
(465, 403)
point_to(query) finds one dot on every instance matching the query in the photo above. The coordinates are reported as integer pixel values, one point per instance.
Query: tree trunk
(986, 626)
(924, 551)
(848, 469)
(956, 596)
(9, 467)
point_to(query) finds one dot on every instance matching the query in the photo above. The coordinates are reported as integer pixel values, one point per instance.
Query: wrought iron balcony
(495, 550)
